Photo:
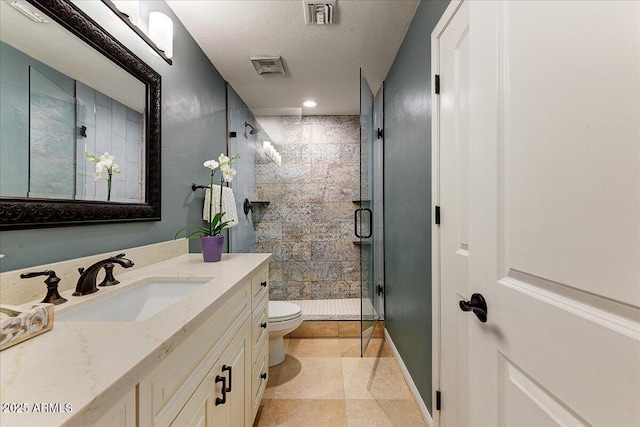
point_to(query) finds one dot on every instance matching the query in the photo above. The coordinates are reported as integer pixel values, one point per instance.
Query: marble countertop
(86, 367)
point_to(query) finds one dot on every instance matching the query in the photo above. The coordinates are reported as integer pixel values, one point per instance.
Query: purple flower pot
(212, 248)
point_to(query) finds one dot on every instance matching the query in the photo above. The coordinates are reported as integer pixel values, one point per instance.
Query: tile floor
(325, 382)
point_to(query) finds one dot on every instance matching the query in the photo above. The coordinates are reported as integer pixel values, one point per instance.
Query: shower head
(253, 130)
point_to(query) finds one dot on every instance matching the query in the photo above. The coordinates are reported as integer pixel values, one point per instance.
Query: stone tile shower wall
(308, 225)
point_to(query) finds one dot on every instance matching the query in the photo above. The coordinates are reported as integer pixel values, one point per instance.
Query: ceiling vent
(267, 64)
(319, 12)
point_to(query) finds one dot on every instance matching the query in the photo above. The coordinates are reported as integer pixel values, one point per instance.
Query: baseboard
(426, 416)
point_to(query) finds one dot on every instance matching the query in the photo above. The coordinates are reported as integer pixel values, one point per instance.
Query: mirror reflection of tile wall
(114, 128)
(51, 135)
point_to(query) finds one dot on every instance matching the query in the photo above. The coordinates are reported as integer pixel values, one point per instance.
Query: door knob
(478, 305)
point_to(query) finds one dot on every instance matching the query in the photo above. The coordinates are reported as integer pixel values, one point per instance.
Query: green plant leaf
(199, 231)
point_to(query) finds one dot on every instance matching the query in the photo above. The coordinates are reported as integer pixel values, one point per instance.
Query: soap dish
(18, 324)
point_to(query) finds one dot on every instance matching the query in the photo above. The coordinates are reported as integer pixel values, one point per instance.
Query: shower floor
(330, 309)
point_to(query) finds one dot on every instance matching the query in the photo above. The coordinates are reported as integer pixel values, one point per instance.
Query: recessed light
(309, 103)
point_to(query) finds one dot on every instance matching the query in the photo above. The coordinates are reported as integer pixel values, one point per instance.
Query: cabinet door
(123, 413)
(235, 365)
(201, 410)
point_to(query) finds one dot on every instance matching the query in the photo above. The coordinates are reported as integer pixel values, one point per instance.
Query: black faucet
(53, 297)
(87, 281)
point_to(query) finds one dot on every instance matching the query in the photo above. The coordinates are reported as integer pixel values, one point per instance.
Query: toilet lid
(279, 311)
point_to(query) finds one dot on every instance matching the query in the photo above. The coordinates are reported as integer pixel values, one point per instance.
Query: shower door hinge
(436, 84)
(380, 133)
(437, 215)
(438, 400)
(380, 290)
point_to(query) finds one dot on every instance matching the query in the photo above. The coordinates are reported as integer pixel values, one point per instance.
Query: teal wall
(407, 197)
(193, 130)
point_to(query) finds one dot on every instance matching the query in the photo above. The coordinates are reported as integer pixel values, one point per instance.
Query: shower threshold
(331, 309)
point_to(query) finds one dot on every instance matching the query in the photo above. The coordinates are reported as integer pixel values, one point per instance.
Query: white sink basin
(134, 303)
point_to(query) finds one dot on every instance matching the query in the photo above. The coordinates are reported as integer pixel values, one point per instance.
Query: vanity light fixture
(310, 103)
(271, 152)
(128, 15)
(161, 32)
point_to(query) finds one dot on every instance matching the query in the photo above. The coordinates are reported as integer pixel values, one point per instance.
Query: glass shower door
(52, 137)
(364, 218)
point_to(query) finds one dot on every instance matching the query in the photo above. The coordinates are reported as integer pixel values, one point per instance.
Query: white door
(453, 189)
(553, 213)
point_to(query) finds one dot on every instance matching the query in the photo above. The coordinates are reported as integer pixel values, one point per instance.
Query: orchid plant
(216, 224)
(104, 164)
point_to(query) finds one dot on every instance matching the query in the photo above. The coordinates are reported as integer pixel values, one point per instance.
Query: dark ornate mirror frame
(20, 213)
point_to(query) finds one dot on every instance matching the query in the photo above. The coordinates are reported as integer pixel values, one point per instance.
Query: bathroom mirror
(68, 88)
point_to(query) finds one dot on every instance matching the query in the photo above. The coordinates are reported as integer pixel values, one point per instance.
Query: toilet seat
(281, 311)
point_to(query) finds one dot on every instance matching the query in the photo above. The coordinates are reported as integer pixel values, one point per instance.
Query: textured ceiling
(321, 61)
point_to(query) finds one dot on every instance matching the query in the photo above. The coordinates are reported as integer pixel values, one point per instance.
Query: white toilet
(284, 317)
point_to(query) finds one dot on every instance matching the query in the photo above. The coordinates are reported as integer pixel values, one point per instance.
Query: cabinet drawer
(259, 378)
(260, 331)
(260, 285)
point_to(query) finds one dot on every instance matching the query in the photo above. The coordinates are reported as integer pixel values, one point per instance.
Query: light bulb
(161, 32)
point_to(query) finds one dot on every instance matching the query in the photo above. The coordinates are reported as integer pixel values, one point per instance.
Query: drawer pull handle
(263, 375)
(263, 284)
(223, 380)
(263, 325)
(227, 368)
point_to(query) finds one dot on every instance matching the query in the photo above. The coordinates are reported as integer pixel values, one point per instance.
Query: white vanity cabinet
(186, 389)
(158, 372)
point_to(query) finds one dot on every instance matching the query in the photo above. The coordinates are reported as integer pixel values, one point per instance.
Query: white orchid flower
(223, 160)
(100, 169)
(107, 159)
(228, 173)
(105, 164)
(211, 164)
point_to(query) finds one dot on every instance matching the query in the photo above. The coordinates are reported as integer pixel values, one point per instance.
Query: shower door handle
(355, 222)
